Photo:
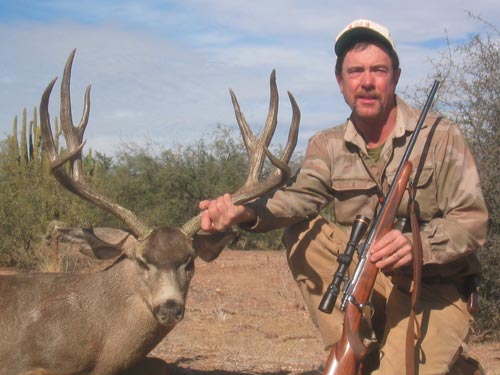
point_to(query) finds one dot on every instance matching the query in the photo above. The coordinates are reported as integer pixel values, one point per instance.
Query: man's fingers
(203, 205)
(392, 251)
(383, 248)
(206, 221)
(221, 213)
(395, 261)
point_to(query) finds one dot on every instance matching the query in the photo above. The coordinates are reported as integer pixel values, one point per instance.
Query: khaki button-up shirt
(337, 169)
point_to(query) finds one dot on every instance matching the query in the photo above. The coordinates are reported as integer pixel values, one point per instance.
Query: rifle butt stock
(346, 354)
(341, 361)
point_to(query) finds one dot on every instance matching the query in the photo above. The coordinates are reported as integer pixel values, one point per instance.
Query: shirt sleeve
(461, 226)
(303, 197)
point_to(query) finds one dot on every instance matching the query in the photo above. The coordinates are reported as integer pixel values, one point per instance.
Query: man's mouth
(367, 99)
(367, 96)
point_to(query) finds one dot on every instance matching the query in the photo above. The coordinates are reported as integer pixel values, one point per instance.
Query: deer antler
(257, 150)
(74, 181)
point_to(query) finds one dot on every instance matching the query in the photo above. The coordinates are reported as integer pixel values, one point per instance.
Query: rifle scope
(358, 230)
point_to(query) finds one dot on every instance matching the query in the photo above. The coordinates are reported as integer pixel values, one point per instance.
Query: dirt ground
(245, 316)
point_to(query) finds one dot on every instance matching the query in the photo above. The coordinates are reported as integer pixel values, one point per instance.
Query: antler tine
(257, 150)
(48, 139)
(293, 134)
(272, 115)
(253, 187)
(74, 142)
(72, 134)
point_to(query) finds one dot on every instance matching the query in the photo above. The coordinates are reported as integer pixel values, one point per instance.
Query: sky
(161, 70)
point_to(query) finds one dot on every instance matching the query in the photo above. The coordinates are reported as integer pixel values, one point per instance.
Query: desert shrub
(30, 198)
(470, 95)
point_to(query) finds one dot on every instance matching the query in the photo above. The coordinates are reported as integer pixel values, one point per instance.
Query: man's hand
(220, 214)
(392, 251)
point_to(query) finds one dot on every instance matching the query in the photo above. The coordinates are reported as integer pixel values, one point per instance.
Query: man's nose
(367, 79)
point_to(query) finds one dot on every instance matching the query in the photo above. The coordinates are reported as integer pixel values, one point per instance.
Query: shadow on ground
(157, 366)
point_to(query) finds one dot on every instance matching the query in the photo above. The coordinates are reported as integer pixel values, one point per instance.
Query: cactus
(30, 143)
(37, 142)
(14, 141)
(27, 147)
(23, 147)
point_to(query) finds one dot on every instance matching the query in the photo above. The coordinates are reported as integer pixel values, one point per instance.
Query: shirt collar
(406, 120)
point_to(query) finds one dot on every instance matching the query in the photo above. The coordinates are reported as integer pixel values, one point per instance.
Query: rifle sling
(417, 256)
(413, 324)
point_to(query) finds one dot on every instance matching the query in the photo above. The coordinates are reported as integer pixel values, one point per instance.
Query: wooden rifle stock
(346, 355)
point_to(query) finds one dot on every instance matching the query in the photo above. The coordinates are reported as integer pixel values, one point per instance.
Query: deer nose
(170, 312)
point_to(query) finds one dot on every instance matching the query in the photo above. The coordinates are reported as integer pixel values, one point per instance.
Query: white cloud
(163, 69)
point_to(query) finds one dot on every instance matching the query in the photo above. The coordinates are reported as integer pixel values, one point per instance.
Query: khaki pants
(312, 249)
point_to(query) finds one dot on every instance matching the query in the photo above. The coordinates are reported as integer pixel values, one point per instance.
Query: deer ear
(97, 248)
(96, 243)
(208, 246)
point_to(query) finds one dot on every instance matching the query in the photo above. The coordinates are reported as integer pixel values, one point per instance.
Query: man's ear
(340, 82)
(397, 74)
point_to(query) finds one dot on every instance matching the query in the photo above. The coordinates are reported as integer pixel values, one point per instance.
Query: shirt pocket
(353, 196)
(426, 194)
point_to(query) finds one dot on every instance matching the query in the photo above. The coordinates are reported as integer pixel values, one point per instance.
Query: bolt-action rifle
(346, 355)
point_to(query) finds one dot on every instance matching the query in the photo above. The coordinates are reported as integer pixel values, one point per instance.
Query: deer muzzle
(170, 312)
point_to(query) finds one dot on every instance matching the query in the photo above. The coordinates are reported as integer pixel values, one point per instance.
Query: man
(352, 166)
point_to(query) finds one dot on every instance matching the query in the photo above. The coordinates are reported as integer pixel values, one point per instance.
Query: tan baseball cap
(360, 29)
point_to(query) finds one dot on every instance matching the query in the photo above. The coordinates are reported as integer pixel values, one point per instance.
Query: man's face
(368, 83)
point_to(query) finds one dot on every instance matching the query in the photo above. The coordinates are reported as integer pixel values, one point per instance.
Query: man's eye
(380, 71)
(354, 72)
